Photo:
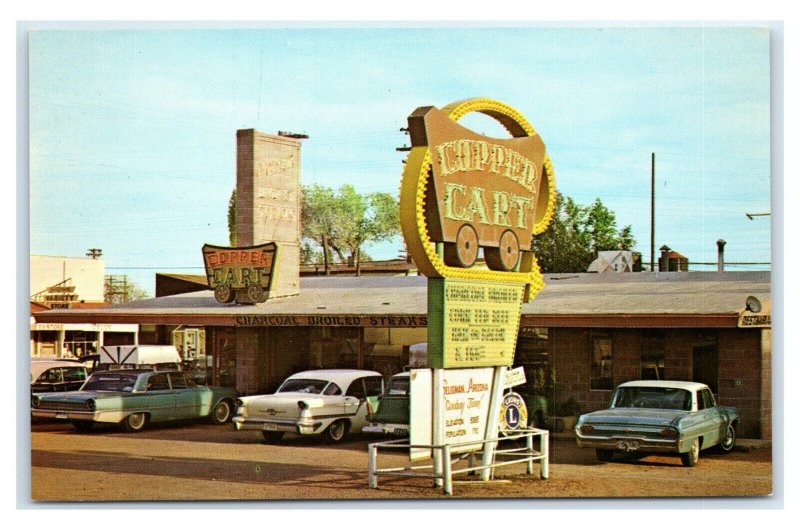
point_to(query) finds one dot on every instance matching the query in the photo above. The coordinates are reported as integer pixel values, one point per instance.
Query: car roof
(39, 366)
(340, 376)
(685, 385)
(130, 371)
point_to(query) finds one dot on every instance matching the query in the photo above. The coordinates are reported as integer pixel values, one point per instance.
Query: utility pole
(652, 211)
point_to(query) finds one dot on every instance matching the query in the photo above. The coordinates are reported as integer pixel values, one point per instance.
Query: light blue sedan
(660, 417)
(133, 398)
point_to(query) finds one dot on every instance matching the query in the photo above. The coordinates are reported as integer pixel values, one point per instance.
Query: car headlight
(239, 403)
(35, 401)
(302, 405)
(91, 405)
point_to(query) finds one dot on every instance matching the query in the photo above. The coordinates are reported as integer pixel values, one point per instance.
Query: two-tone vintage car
(133, 398)
(56, 375)
(660, 417)
(327, 402)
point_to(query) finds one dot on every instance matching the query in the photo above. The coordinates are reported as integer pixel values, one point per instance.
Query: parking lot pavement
(198, 461)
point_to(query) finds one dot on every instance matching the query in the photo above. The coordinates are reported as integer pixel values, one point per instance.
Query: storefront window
(652, 353)
(602, 362)
(79, 343)
(533, 347)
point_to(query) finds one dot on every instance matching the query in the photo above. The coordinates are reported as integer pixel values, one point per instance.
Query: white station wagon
(327, 402)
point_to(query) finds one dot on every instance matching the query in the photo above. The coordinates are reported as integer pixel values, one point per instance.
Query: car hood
(633, 416)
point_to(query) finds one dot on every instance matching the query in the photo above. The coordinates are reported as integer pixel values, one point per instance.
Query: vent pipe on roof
(720, 255)
(663, 260)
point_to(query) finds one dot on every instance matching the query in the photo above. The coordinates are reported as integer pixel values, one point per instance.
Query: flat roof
(637, 299)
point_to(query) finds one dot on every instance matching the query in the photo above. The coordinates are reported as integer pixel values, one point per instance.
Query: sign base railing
(449, 455)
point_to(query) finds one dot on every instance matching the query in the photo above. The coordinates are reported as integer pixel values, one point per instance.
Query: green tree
(232, 218)
(347, 220)
(120, 289)
(577, 233)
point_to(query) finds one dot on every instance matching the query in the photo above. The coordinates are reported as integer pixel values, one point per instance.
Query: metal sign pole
(438, 424)
(493, 422)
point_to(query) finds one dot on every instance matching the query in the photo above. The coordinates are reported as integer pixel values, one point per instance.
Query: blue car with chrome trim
(676, 417)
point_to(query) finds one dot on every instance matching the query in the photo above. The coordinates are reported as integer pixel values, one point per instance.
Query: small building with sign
(61, 282)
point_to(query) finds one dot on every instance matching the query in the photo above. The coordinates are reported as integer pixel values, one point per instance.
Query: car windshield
(398, 386)
(652, 398)
(306, 386)
(111, 381)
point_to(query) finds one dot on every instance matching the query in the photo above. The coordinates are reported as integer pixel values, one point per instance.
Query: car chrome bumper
(78, 415)
(301, 426)
(628, 443)
(386, 428)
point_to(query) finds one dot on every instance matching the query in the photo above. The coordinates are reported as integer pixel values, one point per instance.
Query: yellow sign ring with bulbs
(506, 187)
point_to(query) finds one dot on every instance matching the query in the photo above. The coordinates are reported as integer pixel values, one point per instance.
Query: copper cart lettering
(240, 273)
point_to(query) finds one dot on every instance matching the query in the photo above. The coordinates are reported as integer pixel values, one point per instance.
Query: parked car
(661, 417)
(327, 402)
(134, 398)
(393, 409)
(56, 375)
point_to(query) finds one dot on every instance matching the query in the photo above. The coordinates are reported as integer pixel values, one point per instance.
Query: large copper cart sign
(463, 192)
(240, 273)
(466, 191)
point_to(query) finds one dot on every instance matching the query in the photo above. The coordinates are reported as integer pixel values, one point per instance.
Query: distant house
(613, 261)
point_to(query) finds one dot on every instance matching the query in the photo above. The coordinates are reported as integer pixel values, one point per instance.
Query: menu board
(472, 323)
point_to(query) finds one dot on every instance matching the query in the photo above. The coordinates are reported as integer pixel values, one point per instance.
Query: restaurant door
(224, 357)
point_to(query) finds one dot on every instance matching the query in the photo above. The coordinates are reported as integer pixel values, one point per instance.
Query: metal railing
(448, 455)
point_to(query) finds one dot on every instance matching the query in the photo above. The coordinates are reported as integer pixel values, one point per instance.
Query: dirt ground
(206, 462)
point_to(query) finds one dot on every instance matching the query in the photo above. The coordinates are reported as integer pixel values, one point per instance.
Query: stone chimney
(268, 201)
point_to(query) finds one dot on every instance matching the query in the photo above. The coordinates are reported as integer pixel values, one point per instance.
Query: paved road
(191, 461)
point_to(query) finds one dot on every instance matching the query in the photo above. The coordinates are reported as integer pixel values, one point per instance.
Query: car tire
(272, 437)
(690, 459)
(729, 440)
(221, 413)
(83, 426)
(135, 422)
(336, 431)
(605, 455)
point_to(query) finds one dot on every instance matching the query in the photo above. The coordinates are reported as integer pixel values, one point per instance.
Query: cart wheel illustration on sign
(224, 294)
(243, 274)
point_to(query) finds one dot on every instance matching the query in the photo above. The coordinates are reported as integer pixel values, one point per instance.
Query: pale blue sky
(132, 133)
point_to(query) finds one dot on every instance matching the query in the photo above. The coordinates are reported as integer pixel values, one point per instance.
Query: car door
(711, 421)
(356, 397)
(158, 398)
(190, 400)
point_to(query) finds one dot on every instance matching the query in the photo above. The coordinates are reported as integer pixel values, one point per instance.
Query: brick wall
(249, 364)
(741, 377)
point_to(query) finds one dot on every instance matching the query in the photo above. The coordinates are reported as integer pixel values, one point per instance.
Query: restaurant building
(594, 331)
